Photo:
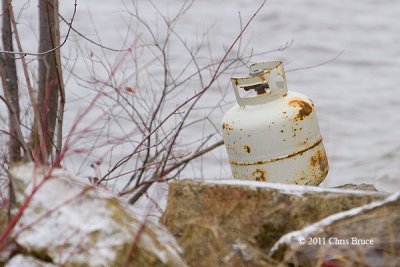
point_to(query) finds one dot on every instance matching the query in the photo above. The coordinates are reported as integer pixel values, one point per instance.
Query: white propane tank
(273, 136)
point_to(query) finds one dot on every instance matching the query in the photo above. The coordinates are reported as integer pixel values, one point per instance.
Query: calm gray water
(356, 91)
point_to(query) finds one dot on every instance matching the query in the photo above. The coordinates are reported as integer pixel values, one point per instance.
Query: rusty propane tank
(273, 136)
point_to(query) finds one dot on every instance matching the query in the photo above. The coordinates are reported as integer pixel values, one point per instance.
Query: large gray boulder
(236, 223)
(68, 223)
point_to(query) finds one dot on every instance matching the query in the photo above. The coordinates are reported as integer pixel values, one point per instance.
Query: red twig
(135, 242)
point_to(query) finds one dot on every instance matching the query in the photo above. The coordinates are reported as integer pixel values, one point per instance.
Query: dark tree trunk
(10, 84)
(49, 72)
(50, 78)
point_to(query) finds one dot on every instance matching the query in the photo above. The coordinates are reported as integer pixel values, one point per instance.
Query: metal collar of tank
(266, 78)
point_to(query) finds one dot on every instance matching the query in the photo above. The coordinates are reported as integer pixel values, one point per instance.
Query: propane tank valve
(256, 72)
(284, 144)
(259, 88)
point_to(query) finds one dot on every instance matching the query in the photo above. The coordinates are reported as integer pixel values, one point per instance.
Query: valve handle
(267, 79)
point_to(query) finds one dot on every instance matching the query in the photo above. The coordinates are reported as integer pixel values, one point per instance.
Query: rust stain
(230, 147)
(316, 172)
(270, 124)
(260, 175)
(247, 148)
(282, 75)
(305, 109)
(319, 159)
(294, 131)
(302, 178)
(260, 162)
(227, 127)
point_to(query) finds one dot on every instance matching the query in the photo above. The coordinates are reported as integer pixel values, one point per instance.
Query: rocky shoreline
(206, 223)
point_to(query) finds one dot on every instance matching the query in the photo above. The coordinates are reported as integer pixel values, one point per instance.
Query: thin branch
(50, 50)
(190, 99)
(90, 40)
(319, 64)
(146, 184)
(17, 129)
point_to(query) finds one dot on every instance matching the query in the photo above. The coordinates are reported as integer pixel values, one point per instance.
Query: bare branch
(319, 64)
(43, 53)
(15, 121)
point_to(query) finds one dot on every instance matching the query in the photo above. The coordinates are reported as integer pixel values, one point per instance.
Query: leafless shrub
(143, 107)
(157, 104)
(137, 127)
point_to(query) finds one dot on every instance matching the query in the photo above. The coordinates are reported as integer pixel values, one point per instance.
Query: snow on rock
(288, 188)
(76, 224)
(27, 261)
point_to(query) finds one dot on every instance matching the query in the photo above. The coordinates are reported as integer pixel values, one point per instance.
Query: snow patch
(291, 189)
(26, 261)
